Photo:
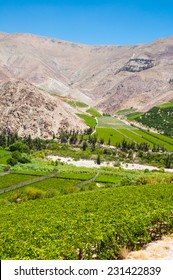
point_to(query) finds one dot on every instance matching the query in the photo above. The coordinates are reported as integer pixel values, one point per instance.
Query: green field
(90, 121)
(57, 184)
(63, 183)
(133, 116)
(111, 122)
(166, 105)
(162, 137)
(155, 140)
(11, 179)
(93, 112)
(90, 225)
(141, 136)
(133, 135)
(75, 103)
(109, 133)
(116, 130)
(108, 178)
(126, 111)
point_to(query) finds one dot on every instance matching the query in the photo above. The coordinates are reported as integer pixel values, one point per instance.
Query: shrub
(17, 157)
(17, 197)
(50, 193)
(6, 168)
(12, 161)
(33, 194)
(69, 189)
(19, 146)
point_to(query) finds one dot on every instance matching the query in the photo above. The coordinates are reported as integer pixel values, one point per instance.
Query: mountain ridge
(108, 77)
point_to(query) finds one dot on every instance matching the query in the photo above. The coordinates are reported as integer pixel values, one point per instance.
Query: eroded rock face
(27, 110)
(138, 65)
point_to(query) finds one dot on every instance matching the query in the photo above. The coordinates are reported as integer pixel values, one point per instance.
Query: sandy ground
(158, 250)
(91, 163)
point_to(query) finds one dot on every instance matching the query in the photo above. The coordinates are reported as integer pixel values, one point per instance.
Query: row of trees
(20, 146)
(11, 140)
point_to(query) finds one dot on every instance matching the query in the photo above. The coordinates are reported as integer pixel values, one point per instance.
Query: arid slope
(27, 110)
(109, 77)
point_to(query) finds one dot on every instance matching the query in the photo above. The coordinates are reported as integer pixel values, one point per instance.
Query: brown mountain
(109, 77)
(27, 110)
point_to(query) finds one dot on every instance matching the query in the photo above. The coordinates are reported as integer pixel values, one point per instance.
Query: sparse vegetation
(76, 103)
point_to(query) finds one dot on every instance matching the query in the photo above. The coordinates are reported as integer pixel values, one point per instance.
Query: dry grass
(123, 253)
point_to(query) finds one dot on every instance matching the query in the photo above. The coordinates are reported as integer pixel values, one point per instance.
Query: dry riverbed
(92, 164)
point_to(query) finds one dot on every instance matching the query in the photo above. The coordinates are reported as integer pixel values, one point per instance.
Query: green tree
(130, 155)
(109, 141)
(98, 159)
(19, 146)
(168, 161)
(12, 161)
(84, 146)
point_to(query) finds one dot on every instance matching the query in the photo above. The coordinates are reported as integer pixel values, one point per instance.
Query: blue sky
(112, 22)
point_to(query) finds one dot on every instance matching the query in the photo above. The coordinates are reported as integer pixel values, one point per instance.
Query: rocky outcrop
(138, 65)
(27, 110)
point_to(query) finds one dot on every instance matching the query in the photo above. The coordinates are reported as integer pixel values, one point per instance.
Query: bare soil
(158, 250)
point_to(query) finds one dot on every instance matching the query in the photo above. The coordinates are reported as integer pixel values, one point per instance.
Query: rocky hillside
(109, 77)
(27, 110)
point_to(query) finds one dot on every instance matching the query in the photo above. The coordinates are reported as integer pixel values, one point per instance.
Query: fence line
(28, 182)
(4, 173)
(87, 181)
